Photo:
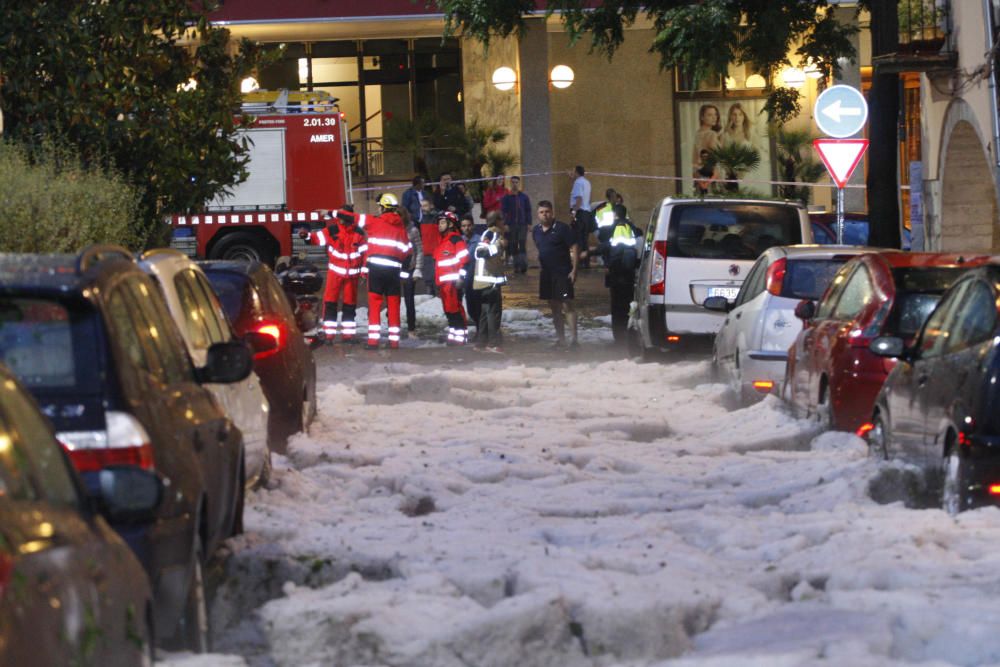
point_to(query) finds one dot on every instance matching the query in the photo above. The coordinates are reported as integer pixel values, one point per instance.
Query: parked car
(751, 348)
(91, 337)
(56, 546)
(203, 323)
(824, 228)
(255, 302)
(831, 372)
(940, 406)
(698, 248)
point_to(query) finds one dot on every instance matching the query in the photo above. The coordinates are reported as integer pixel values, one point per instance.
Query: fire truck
(298, 163)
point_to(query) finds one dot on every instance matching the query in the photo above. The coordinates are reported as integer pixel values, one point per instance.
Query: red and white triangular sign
(841, 156)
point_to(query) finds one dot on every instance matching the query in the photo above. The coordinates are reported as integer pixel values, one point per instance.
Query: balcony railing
(923, 25)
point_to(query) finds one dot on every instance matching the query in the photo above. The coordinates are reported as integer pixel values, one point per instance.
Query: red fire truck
(298, 164)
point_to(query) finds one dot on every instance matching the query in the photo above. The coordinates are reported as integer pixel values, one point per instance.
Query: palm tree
(796, 163)
(736, 159)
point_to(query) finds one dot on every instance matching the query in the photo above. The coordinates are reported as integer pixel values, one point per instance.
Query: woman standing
(707, 137)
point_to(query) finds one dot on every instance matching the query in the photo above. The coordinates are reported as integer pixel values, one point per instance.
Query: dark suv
(92, 339)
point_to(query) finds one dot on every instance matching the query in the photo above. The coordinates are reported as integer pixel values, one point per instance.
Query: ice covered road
(538, 512)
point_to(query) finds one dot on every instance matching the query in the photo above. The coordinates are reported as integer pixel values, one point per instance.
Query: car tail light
(864, 429)
(125, 442)
(776, 276)
(673, 339)
(995, 489)
(658, 268)
(275, 331)
(763, 386)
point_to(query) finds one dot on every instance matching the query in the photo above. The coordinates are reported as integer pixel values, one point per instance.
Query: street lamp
(504, 78)
(561, 76)
(248, 85)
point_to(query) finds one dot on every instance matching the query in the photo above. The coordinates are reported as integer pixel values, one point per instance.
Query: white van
(697, 248)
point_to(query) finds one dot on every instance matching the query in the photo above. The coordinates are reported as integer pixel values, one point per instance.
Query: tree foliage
(704, 37)
(108, 79)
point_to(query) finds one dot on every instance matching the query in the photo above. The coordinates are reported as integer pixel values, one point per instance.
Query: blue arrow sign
(840, 111)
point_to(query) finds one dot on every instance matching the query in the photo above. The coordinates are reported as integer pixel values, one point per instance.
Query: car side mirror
(717, 303)
(227, 362)
(261, 343)
(805, 310)
(888, 346)
(128, 494)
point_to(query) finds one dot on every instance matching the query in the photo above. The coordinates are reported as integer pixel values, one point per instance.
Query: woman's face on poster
(710, 116)
(736, 115)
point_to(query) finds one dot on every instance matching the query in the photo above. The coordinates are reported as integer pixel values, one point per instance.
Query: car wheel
(878, 438)
(240, 501)
(194, 631)
(265, 471)
(954, 487)
(824, 410)
(242, 246)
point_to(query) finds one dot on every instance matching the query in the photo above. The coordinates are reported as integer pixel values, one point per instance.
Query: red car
(831, 373)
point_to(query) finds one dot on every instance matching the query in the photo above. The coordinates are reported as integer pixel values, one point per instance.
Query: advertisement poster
(706, 125)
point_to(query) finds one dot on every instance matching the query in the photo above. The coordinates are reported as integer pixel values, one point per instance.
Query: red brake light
(763, 386)
(124, 442)
(275, 331)
(776, 276)
(673, 339)
(658, 268)
(864, 429)
(995, 489)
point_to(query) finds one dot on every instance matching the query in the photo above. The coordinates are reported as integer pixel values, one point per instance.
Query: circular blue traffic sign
(840, 111)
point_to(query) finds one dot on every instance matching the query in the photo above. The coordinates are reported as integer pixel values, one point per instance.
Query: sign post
(840, 112)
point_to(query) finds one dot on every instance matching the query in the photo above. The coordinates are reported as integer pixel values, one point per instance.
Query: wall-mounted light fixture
(793, 76)
(561, 76)
(504, 78)
(248, 85)
(813, 71)
(755, 81)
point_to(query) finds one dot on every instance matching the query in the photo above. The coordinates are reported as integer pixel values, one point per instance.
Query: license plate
(728, 292)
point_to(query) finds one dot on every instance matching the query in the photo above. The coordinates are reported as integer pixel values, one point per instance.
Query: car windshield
(917, 292)
(855, 232)
(49, 345)
(232, 291)
(731, 231)
(808, 278)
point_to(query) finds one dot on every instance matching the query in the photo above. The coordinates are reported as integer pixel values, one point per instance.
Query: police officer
(621, 253)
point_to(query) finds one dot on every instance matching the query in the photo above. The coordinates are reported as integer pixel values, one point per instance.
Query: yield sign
(841, 156)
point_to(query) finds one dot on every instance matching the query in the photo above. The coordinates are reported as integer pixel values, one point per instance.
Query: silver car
(751, 347)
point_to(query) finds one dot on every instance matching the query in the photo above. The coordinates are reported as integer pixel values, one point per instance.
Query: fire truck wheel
(243, 247)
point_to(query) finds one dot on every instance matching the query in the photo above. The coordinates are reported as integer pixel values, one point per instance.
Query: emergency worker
(388, 248)
(621, 255)
(604, 216)
(450, 257)
(345, 247)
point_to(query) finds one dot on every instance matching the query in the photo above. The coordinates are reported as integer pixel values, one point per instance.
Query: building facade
(633, 126)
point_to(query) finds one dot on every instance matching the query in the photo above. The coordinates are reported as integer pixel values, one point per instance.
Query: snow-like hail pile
(601, 513)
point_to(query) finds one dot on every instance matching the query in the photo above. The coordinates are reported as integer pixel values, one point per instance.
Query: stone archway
(968, 198)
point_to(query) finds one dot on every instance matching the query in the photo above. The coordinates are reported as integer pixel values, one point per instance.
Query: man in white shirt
(583, 219)
(579, 197)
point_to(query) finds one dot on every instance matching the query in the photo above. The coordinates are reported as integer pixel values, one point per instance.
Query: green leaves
(105, 77)
(702, 36)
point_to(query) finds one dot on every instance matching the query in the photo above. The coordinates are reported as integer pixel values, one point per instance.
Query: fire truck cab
(298, 164)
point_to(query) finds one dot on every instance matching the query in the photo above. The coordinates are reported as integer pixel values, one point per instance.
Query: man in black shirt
(449, 197)
(557, 253)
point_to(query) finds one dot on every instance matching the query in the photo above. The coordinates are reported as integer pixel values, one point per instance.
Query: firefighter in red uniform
(345, 247)
(450, 257)
(388, 247)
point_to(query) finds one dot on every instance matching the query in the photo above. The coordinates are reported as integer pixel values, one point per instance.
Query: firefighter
(345, 246)
(388, 247)
(450, 257)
